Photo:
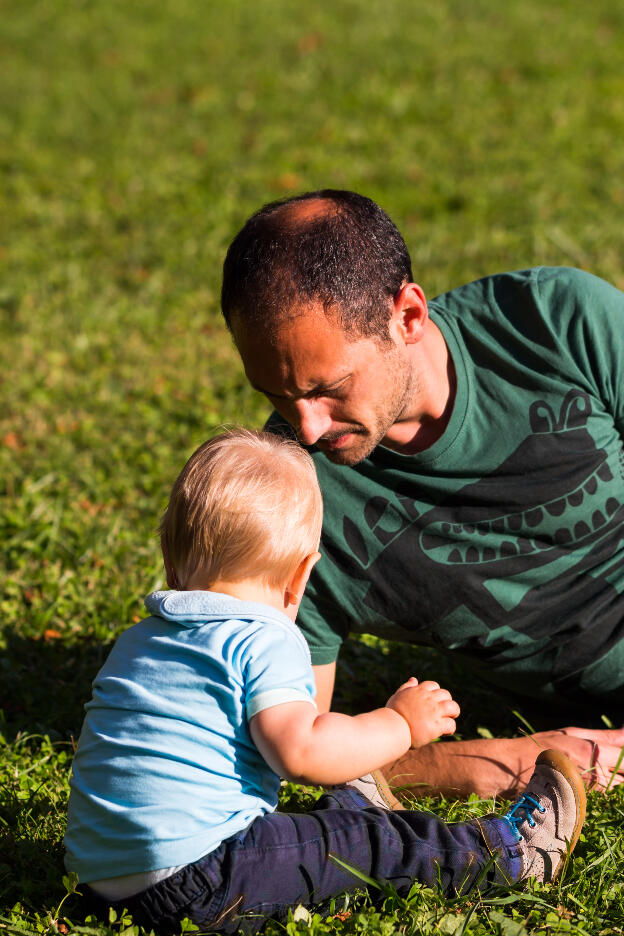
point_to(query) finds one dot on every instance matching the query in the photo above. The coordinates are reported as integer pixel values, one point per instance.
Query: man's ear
(410, 313)
(299, 579)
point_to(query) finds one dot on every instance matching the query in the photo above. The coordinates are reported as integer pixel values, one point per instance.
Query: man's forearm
(487, 767)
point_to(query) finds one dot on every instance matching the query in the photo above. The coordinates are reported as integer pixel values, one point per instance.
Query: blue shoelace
(522, 811)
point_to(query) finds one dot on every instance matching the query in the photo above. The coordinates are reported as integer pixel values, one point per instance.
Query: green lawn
(134, 141)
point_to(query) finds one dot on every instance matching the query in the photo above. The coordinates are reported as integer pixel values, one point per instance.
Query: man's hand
(428, 710)
(601, 760)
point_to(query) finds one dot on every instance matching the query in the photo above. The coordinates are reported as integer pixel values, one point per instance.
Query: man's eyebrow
(314, 391)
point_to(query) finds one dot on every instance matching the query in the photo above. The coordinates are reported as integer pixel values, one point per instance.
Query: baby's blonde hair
(246, 505)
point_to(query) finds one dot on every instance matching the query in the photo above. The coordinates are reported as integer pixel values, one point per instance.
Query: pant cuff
(343, 797)
(503, 848)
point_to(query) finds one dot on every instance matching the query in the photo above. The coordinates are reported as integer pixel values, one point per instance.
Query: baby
(204, 705)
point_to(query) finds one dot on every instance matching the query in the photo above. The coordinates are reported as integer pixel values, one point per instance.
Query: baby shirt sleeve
(277, 669)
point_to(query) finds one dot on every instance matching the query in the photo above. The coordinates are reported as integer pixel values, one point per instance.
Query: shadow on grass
(45, 684)
(368, 674)
(31, 872)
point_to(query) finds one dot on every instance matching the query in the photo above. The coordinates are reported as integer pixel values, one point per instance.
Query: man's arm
(492, 766)
(502, 766)
(324, 677)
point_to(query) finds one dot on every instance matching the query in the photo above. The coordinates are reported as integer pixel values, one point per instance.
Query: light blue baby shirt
(166, 768)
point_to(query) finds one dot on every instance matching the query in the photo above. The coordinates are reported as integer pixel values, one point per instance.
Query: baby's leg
(283, 860)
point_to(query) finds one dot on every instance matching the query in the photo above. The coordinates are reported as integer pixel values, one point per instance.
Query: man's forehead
(302, 316)
(302, 354)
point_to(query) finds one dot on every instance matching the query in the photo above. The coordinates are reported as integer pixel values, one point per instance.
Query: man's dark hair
(330, 246)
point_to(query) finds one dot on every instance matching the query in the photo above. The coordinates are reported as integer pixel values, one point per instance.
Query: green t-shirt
(503, 541)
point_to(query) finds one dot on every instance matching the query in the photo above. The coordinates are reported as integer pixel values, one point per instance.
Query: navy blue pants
(283, 860)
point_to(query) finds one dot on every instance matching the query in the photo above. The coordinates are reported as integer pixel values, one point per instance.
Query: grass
(134, 141)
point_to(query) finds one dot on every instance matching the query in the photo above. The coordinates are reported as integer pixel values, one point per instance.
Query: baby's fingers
(448, 726)
(408, 684)
(441, 695)
(448, 709)
(452, 709)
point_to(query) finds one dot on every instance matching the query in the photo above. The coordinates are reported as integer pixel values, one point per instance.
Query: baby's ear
(299, 579)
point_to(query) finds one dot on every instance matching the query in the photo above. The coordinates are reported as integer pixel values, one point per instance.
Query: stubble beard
(400, 395)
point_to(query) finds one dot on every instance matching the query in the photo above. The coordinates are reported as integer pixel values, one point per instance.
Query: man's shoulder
(534, 279)
(527, 299)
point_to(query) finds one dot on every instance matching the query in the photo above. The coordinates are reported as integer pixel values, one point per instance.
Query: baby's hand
(428, 710)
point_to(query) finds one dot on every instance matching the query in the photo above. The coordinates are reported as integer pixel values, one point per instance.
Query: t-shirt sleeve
(589, 316)
(319, 624)
(277, 669)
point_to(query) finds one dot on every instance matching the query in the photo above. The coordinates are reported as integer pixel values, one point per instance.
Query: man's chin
(349, 454)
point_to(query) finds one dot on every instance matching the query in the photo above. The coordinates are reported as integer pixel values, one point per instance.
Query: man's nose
(311, 420)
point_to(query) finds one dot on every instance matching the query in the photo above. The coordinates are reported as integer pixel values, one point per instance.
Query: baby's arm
(303, 746)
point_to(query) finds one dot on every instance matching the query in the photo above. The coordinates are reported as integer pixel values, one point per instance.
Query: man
(470, 458)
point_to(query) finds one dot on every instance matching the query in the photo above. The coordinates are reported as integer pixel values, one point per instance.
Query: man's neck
(434, 397)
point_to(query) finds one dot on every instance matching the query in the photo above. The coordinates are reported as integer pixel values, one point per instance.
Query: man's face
(341, 393)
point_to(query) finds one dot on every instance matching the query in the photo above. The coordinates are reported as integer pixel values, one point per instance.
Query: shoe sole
(385, 792)
(560, 762)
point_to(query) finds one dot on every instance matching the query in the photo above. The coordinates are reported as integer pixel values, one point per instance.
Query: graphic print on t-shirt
(540, 531)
